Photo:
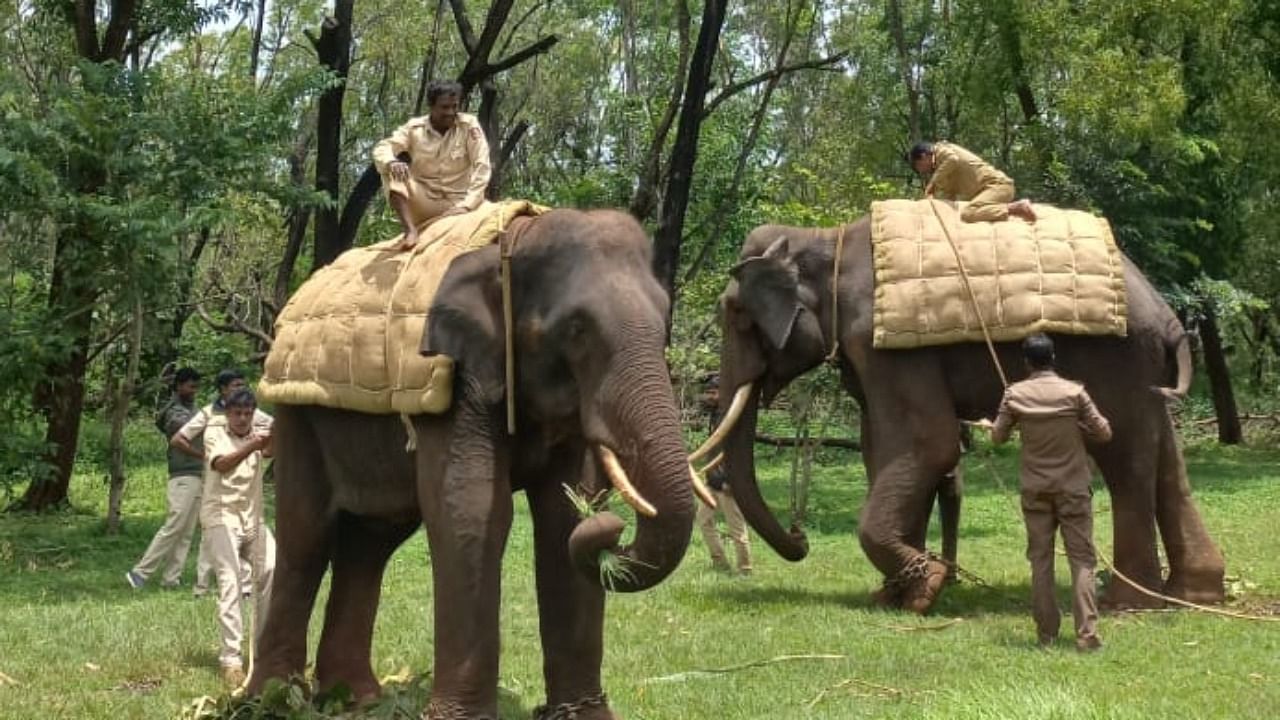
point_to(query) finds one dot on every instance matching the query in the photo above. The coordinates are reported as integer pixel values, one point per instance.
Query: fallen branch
(1241, 418)
(921, 628)
(778, 441)
(682, 676)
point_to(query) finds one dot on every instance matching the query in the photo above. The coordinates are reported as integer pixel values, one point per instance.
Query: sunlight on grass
(78, 643)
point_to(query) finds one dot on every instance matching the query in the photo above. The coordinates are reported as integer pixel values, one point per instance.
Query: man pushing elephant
(1055, 416)
(961, 175)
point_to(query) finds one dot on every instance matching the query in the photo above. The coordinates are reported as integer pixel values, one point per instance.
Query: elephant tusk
(700, 488)
(726, 425)
(618, 477)
(715, 463)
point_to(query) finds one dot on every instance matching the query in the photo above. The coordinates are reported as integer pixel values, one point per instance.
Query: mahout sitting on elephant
(777, 317)
(592, 399)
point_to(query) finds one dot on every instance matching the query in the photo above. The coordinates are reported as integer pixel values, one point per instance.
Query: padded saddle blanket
(349, 337)
(1061, 274)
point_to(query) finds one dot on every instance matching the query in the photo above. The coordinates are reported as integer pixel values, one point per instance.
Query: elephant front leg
(1196, 567)
(570, 613)
(899, 500)
(360, 556)
(466, 506)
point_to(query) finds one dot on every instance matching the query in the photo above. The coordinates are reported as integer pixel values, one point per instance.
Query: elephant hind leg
(360, 554)
(1196, 567)
(1130, 471)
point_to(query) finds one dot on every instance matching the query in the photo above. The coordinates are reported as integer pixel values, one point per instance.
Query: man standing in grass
(718, 483)
(169, 547)
(231, 515)
(1055, 416)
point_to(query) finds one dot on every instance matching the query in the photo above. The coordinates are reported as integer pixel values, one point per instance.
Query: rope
(835, 297)
(505, 243)
(973, 299)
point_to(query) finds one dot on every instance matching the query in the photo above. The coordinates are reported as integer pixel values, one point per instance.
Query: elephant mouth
(627, 490)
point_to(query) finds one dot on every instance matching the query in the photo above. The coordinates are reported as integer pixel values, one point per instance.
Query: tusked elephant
(777, 321)
(593, 400)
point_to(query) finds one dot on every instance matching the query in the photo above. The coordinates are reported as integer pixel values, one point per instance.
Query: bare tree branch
(235, 326)
(822, 64)
(520, 56)
(465, 31)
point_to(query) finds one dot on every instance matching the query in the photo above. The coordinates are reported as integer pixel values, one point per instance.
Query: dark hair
(1038, 351)
(225, 377)
(918, 151)
(242, 398)
(440, 88)
(185, 374)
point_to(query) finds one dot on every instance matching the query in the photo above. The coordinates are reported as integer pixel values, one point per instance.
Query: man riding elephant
(960, 175)
(436, 165)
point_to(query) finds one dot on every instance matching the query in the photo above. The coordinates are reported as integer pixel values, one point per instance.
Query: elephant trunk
(740, 467)
(639, 426)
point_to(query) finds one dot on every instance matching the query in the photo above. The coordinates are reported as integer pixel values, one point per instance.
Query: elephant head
(773, 314)
(589, 325)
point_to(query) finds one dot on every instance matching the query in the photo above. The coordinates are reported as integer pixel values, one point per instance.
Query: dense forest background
(170, 171)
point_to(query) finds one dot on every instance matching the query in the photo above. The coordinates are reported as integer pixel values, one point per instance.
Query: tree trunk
(120, 398)
(60, 395)
(1010, 32)
(255, 49)
(333, 48)
(1224, 399)
(645, 198)
(684, 153)
(893, 17)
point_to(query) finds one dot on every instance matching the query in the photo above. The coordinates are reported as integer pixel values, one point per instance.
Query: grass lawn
(76, 642)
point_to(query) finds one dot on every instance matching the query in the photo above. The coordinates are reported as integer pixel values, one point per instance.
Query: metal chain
(449, 710)
(570, 710)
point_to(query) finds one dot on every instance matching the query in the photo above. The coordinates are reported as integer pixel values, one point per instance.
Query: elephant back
(1062, 274)
(349, 337)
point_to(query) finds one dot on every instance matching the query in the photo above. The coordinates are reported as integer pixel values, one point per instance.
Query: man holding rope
(1055, 416)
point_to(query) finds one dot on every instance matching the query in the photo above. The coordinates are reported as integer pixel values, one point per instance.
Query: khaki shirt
(232, 499)
(1054, 415)
(959, 174)
(450, 166)
(198, 422)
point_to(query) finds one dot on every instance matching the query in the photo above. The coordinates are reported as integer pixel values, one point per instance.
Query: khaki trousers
(228, 546)
(1044, 512)
(172, 542)
(421, 207)
(706, 520)
(990, 205)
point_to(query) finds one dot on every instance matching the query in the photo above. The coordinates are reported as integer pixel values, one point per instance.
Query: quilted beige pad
(349, 337)
(1061, 274)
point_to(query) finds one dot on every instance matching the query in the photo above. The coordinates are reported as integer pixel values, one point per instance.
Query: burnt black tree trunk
(1215, 363)
(684, 152)
(333, 49)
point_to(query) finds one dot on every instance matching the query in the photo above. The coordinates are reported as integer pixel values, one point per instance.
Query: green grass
(79, 644)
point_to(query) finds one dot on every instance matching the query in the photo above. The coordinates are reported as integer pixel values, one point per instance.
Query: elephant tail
(1181, 351)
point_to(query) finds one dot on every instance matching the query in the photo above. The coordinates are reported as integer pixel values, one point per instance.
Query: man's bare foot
(409, 242)
(1022, 208)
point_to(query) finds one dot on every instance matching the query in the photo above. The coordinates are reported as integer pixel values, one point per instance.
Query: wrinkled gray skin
(590, 329)
(777, 326)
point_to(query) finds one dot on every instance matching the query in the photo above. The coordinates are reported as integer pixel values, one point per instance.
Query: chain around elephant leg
(579, 709)
(922, 579)
(449, 710)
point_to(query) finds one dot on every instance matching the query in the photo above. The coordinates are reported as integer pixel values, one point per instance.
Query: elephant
(593, 400)
(778, 324)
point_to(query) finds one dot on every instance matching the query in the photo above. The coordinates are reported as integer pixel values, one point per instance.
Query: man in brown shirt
(436, 165)
(1055, 417)
(958, 174)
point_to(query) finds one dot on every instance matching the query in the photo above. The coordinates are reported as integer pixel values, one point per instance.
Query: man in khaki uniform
(1055, 416)
(436, 165)
(958, 174)
(231, 515)
(717, 482)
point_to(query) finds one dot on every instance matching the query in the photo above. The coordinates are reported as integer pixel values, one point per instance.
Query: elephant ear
(465, 322)
(769, 290)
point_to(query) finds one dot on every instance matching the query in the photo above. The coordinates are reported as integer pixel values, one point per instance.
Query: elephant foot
(450, 710)
(591, 707)
(887, 597)
(1205, 591)
(922, 591)
(1120, 595)
(363, 692)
